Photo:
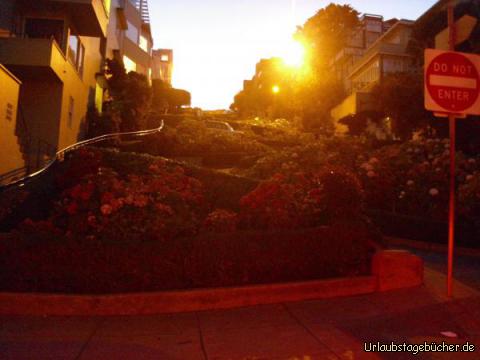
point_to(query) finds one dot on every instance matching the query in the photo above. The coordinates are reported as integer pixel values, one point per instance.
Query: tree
(327, 32)
(130, 97)
(400, 97)
(323, 35)
(168, 99)
(311, 91)
(179, 98)
(258, 98)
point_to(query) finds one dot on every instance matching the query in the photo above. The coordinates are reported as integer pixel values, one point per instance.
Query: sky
(217, 43)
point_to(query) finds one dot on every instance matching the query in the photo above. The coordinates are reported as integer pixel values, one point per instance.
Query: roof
(6, 71)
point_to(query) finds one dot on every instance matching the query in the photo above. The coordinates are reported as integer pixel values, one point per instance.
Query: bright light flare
(275, 89)
(294, 54)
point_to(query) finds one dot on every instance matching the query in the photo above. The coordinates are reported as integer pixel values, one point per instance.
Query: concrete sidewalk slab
(40, 349)
(264, 343)
(154, 325)
(331, 329)
(218, 321)
(152, 347)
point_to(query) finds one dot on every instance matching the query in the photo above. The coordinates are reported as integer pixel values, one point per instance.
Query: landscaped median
(159, 237)
(392, 270)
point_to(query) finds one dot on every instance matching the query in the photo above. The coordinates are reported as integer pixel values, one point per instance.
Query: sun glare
(294, 54)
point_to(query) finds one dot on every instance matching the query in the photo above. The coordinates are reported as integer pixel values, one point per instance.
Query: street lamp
(275, 91)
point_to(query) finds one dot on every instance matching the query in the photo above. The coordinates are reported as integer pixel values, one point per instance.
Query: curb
(391, 269)
(181, 301)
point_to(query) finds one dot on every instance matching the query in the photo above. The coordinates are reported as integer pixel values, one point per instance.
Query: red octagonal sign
(452, 82)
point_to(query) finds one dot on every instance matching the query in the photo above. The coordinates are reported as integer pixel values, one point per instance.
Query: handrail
(60, 155)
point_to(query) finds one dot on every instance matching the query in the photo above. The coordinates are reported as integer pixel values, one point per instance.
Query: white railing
(9, 179)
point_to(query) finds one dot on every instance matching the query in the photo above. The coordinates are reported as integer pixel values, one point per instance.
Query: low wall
(390, 270)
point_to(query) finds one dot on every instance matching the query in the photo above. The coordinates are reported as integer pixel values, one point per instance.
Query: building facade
(370, 28)
(162, 65)
(129, 38)
(10, 144)
(385, 55)
(56, 49)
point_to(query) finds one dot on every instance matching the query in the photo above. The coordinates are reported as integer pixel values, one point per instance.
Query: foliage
(162, 204)
(267, 257)
(327, 32)
(193, 138)
(435, 20)
(307, 93)
(101, 123)
(302, 200)
(167, 99)
(130, 97)
(220, 221)
(400, 97)
(52, 262)
(258, 99)
(126, 222)
(469, 198)
(10, 200)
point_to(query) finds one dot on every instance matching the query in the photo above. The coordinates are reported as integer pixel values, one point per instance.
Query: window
(106, 5)
(129, 64)
(98, 98)
(164, 58)
(73, 43)
(143, 43)
(9, 114)
(76, 53)
(71, 105)
(81, 58)
(44, 29)
(132, 32)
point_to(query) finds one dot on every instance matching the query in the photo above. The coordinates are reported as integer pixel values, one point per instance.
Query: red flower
(72, 208)
(107, 198)
(87, 192)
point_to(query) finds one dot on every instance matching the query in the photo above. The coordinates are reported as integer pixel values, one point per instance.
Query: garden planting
(121, 222)
(291, 206)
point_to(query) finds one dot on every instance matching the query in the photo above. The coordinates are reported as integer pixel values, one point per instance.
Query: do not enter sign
(452, 82)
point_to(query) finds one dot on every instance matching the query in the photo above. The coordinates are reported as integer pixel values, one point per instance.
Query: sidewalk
(321, 329)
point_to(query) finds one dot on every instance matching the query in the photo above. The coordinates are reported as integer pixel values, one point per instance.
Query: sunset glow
(217, 43)
(293, 54)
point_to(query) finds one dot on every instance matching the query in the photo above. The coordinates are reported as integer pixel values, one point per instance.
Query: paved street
(466, 268)
(323, 329)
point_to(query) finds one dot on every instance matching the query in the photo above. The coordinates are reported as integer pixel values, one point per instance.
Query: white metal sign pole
(451, 215)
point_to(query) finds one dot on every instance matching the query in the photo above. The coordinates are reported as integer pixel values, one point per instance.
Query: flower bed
(61, 264)
(121, 222)
(407, 179)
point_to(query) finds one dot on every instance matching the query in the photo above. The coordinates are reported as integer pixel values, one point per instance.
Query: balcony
(33, 59)
(380, 48)
(353, 104)
(90, 17)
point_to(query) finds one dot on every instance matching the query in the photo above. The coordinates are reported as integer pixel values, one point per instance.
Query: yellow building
(10, 146)
(386, 55)
(162, 65)
(56, 48)
(129, 37)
